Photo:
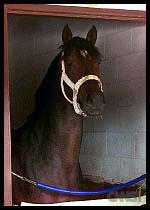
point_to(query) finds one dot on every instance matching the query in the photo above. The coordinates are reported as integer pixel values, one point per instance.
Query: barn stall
(113, 150)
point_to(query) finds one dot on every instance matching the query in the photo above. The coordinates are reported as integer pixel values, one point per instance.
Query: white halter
(75, 87)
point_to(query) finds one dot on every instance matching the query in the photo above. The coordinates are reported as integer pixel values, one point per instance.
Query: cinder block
(108, 27)
(139, 39)
(121, 145)
(94, 144)
(140, 167)
(111, 94)
(21, 27)
(131, 66)
(87, 125)
(131, 92)
(20, 55)
(123, 25)
(128, 169)
(118, 44)
(138, 91)
(137, 24)
(108, 168)
(109, 121)
(108, 72)
(100, 28)
(104, 27)
(132, 168)
(100, 44)
(89, 165)
(47, 42)
(140, 145)
(123, 94)
(47, 24)
(131, 119)
(79, 27)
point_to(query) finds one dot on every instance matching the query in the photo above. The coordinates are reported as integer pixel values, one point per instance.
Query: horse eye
(68, 61)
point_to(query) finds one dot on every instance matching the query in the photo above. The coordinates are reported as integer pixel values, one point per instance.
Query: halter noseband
(75, 87)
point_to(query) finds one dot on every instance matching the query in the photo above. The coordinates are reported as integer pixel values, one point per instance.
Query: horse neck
(66, 136)
(62, 128)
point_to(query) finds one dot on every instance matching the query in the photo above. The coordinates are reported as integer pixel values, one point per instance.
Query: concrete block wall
(118, 142)
(113, 149)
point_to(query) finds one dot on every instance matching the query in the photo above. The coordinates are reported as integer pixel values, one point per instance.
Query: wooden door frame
(55, 11)
(7, 140)
(78, 12)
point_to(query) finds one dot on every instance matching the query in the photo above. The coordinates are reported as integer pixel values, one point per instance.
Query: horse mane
(82, 44)
(47, 89)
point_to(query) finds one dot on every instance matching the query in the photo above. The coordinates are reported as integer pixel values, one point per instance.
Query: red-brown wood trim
(7, 139)
(78, 12)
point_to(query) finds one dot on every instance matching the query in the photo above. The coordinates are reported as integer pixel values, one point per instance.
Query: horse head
(80, 78)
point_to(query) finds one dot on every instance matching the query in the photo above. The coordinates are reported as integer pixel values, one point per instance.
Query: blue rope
(99, 192)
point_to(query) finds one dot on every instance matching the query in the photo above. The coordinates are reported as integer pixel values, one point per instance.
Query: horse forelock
(83, 46)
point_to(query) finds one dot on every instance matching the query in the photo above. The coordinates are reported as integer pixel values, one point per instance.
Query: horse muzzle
(75, 88)
(93, 104)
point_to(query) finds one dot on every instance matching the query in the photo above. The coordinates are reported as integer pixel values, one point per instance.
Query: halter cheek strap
(75, 87)
(65, 78)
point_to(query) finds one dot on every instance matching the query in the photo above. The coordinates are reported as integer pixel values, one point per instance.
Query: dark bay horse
(47, 147)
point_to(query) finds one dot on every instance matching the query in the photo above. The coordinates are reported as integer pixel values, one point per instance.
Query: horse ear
(66, 34)
(92, 35)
